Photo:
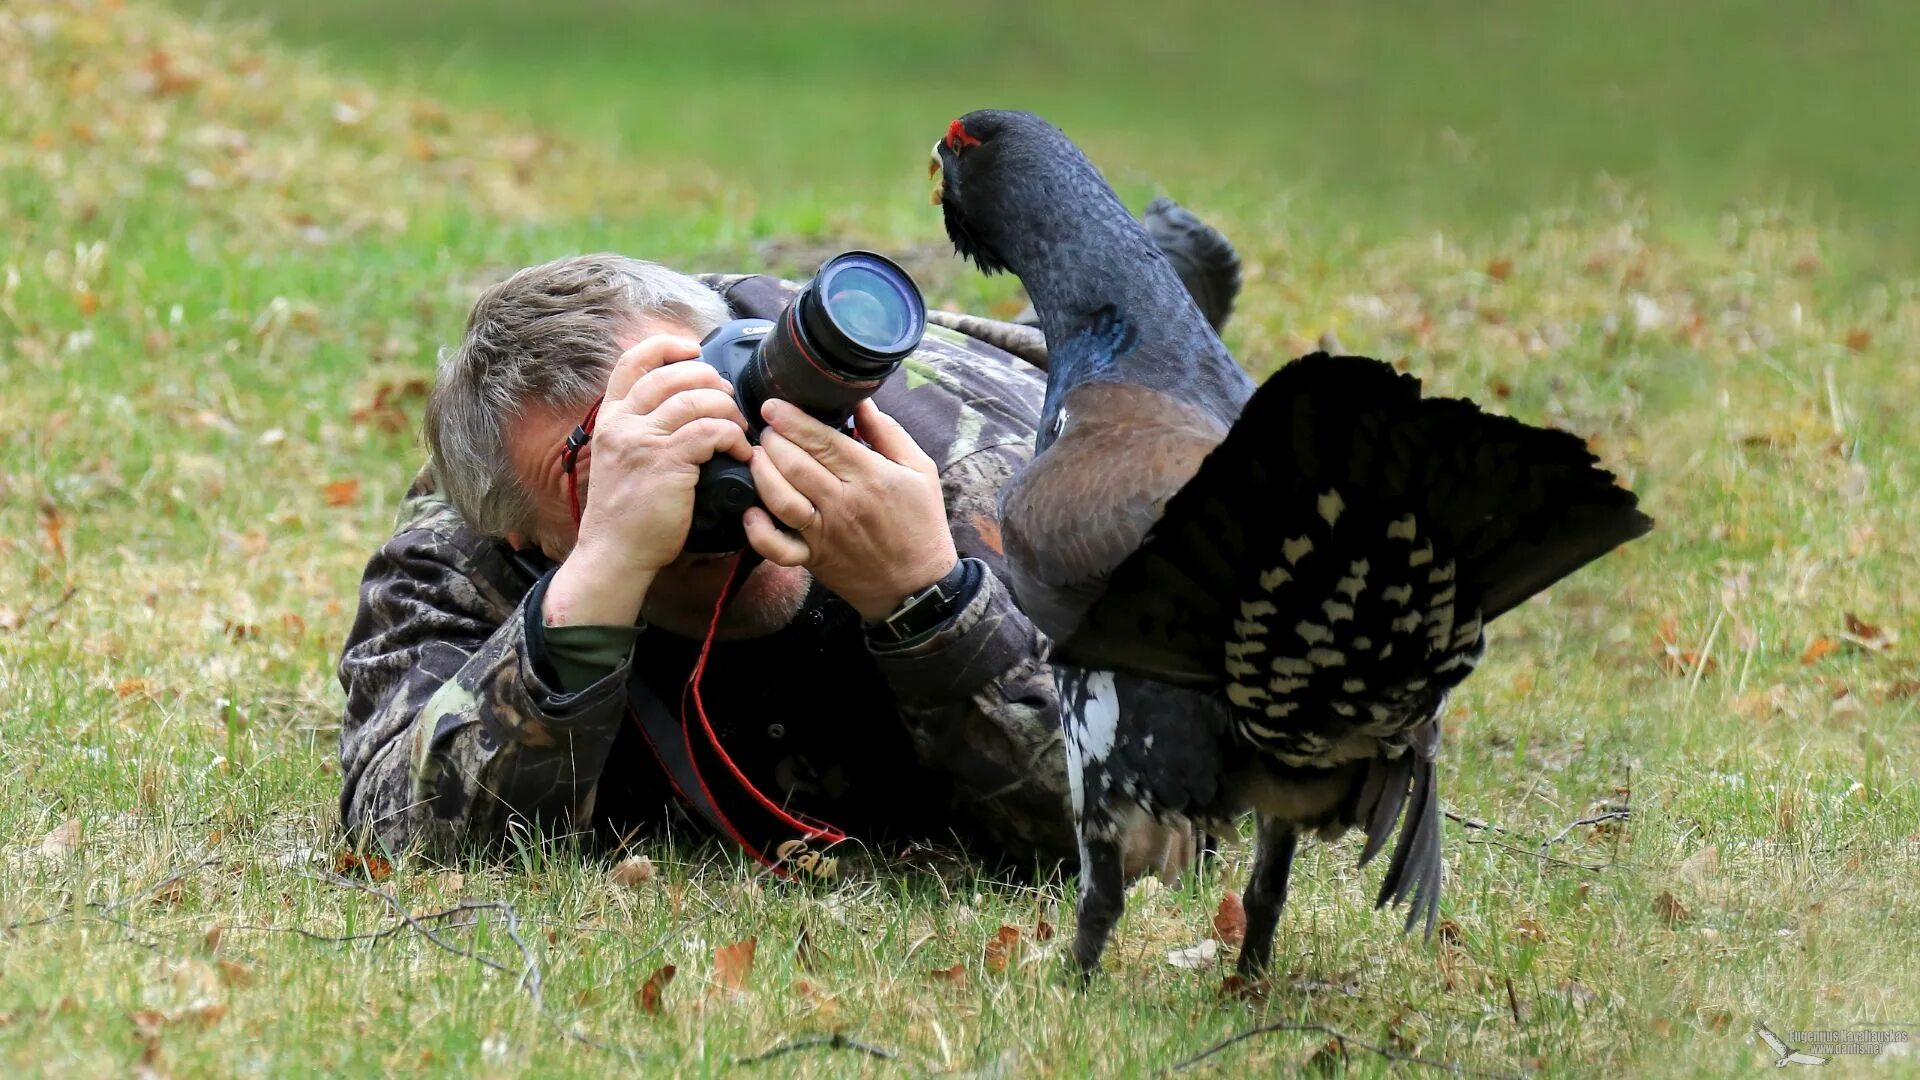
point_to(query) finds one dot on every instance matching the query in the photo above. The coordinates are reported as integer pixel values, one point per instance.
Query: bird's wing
(1773, 1041)
(1089, 499)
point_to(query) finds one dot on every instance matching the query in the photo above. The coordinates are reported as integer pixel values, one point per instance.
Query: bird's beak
(936, 172)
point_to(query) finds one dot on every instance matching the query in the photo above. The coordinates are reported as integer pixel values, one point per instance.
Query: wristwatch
(926, 610)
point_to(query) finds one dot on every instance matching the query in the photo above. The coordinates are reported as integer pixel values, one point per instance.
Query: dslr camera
(831, 347)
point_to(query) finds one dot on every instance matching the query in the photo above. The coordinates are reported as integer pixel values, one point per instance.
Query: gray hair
(546, 335)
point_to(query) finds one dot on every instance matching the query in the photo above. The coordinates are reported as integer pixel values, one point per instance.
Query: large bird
(1310, 566)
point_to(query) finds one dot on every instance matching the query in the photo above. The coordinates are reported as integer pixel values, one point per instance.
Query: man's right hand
(665, 414)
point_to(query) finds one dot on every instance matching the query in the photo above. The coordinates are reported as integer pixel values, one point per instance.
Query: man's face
(682, 596)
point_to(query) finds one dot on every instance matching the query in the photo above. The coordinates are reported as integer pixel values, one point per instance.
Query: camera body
(842, 336)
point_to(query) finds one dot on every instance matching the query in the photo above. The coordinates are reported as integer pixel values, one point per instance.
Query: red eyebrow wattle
(958, 137)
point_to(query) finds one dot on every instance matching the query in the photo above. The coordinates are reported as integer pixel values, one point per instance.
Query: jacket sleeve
(453, 735)
(977, 695)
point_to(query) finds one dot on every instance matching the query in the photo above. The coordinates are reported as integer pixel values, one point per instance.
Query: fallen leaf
(233, 973)
(51, 523)
(733, 963)
(952, 976)
(648, 996)
(450, 882)
(1499, 269)
(1230, 921)
(1700, 868)
(148, 1023)
(1859, 338)
(343, 492)
(61, 840)
(1450, 933)
(1239, 986)
(1043, 931)
(1670, 909)
(127, 688)
(1197, 956)
(203, 1012)
(1868, 636)
(1000, 950)
(169, 894)
(633, 871)
(1821, 646)
(1529, 930)
(371, 867)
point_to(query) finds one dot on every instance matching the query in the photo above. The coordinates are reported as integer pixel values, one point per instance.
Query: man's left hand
(870, 521)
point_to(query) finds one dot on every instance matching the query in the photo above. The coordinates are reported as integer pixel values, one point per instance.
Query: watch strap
(928, 609)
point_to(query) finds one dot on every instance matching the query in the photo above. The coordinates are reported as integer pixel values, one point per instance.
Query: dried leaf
(952, 976)
(210, 941)
(1821, 646)
(52, 523)
(203, 1012)
(1239, 986)
(1529, 930)
(1868, 636)
(371, 867)
(148, 1023)
(343, 492)
(127, 688)
(1043, 931)
(1859, 339)
(233, 973)
(1230, 921)
(1000, 950)
(1500, 269)
(61, 840)
(1670, 909)
(633, 871)
(1197, 956)
(733, 963)
(648, 996)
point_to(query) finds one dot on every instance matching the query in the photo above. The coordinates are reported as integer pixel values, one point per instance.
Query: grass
(225, 265)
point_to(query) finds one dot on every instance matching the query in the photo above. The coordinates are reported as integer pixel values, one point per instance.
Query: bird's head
(993, 171)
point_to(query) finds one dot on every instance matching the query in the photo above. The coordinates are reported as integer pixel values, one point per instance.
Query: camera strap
(777, 838)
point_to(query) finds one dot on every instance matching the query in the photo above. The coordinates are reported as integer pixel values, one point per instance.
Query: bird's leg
(1102, 897)
(1266, 893)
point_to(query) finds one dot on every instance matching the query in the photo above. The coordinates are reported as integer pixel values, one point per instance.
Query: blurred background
(1390, 115)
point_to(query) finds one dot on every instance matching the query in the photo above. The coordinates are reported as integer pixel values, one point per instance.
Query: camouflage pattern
(452, 739)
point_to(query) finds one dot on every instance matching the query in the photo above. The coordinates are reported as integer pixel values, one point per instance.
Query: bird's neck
(1114, 310)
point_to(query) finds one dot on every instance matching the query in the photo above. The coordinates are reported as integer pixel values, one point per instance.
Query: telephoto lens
(830, 348)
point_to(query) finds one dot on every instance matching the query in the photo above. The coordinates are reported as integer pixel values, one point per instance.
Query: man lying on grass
(510, 642)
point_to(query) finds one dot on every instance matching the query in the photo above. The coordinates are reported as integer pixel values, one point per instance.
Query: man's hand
(871, 520)
(665, 413)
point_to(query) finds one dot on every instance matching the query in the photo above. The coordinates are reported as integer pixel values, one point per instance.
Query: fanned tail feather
(1518, 506)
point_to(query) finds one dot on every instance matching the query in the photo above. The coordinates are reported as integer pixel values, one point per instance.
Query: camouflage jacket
(454, 735)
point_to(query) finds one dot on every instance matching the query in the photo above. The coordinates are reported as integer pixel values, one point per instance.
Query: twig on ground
(1611, 815)
(40, 611)
(1472, 822)
(835, 1041)
(531, 978)
(1342, 1040)
(1542, 856)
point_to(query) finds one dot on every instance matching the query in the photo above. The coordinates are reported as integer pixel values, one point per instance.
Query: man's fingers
(886, 436)
(830, 448)
(780, 496)
(689, 405)
(801, 468)
(709, 436)
(649, 353)
(784, 549)
(661, 383)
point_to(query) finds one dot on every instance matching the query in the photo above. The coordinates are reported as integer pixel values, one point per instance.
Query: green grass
(215, 254)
